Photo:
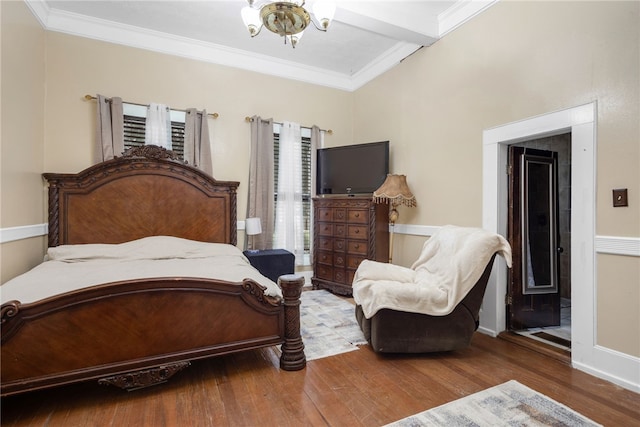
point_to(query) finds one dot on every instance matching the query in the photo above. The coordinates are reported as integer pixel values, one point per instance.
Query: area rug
(508, 404)
(328, 325)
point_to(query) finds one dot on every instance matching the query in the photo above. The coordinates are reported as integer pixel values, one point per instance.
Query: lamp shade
(252, 226)
(395, 189)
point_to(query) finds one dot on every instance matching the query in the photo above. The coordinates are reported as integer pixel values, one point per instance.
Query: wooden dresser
(346, 230)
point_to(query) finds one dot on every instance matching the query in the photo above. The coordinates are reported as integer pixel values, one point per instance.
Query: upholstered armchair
(434, 305)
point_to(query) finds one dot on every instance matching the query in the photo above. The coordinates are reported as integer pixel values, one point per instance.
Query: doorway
(581, 122)
(538, 303)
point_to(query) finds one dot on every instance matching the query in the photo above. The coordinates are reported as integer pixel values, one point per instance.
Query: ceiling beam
(388, 20)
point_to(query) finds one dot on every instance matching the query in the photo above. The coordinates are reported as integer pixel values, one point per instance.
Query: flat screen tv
(352, 169)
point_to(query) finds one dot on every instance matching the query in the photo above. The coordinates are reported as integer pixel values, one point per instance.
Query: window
(134, 127)
(306, 179)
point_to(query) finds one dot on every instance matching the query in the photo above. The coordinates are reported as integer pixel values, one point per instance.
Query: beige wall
(22, 123)
(514, 61)
(618, 301)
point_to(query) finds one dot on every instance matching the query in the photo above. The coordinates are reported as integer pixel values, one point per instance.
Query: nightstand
(272, 263)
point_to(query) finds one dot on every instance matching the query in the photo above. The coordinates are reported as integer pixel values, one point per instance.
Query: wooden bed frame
(140, 332)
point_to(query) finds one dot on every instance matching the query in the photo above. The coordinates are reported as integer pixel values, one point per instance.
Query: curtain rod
(249, 120)
(89, 98)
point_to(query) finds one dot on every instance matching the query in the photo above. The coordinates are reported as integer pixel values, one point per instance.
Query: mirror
(539, 213)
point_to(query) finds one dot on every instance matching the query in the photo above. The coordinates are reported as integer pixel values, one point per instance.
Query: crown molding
(461, 12)
(383, 63)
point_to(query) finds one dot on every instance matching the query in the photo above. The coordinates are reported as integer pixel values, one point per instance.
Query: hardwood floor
(359, 388)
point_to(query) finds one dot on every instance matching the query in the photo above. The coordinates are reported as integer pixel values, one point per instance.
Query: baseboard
(621, 369)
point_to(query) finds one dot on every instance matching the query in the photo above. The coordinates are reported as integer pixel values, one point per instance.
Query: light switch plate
(620, 197)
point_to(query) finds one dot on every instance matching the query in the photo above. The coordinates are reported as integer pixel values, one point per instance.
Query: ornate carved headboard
(146, 192)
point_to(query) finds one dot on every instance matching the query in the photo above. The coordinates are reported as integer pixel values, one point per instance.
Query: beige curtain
(261, 182)
(197, 147)
(109, 129)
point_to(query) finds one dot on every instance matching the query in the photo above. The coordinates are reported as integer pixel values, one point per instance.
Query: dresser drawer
(323, 272)
(325, 244)
(339, 245)
(357, 247)
(339, 214)
(357, 232)
(339, 230)
(339, 260)
(325, 229)
(325, 258)
(325, 214)
(358, 216)
(353, 261)
(340, 275)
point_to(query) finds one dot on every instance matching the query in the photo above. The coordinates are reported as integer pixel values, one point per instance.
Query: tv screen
(352, 169)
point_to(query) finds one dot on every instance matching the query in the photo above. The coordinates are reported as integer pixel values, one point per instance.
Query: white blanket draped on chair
(451, 262)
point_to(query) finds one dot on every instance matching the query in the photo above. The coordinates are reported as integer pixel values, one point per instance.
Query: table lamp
(252, 227)
(395, 191)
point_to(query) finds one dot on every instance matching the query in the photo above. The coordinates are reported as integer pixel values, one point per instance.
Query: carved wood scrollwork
(152, 152)
(256, 290)
(145, 378)
(9, 310)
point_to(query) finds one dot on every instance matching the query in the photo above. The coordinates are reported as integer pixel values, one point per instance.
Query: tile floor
(563, 331)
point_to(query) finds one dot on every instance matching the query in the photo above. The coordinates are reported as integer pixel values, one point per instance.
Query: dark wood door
(533, 298)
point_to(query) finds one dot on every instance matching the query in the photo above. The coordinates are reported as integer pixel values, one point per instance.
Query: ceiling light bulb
(251, 19)
(324, 11)
(295, 38)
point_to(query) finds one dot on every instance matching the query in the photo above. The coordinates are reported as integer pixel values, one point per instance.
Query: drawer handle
(357, 246)
(357, 231)
(358, 215)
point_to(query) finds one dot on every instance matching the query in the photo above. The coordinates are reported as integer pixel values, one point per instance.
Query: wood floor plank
(359, 388)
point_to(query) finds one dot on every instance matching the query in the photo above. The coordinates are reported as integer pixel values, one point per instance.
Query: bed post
(292, 358)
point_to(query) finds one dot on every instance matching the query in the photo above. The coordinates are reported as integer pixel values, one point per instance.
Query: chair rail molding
(614, 245)
(10, 234)
(628, 246)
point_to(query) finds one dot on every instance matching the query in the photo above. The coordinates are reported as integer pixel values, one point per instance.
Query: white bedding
(451, 262)
(71, 267)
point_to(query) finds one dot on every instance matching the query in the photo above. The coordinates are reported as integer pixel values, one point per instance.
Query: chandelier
(288, 19)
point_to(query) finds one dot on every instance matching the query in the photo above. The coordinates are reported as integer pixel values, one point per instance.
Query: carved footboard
(137, 333)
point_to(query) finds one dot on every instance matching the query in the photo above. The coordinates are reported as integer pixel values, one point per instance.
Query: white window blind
(134, 128)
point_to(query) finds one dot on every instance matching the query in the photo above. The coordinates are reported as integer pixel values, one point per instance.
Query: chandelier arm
(316, 25)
